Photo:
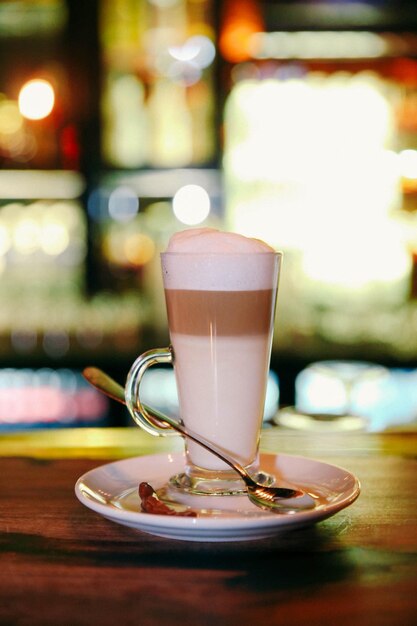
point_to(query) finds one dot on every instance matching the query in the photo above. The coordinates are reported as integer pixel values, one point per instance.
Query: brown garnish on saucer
(150, 503)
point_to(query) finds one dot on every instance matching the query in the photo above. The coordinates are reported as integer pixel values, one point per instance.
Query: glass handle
(140, 414)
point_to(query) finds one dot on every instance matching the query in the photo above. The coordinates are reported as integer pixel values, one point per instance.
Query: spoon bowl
(267, 497)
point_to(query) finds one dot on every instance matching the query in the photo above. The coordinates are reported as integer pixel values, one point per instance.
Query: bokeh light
(191, 204)
(10, 118)
(408, 163)
(198, 50)
(40, 397)
(27, 236)
(36, 99)
(123, 204)
(139, 249)
(54, 238)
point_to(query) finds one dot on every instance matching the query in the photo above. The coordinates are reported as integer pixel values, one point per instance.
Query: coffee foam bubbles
(206, 259)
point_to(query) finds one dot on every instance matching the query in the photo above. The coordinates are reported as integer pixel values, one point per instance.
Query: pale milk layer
(205, 259)
(221, 387)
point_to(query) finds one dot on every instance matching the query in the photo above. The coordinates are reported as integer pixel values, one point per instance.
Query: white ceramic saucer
(112, 491)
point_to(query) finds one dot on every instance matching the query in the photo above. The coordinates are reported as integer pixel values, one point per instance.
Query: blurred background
(123, 121)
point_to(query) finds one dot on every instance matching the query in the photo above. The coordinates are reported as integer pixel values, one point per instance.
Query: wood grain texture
(62, 564)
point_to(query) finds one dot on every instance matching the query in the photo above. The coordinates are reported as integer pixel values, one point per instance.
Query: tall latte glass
(220, 305)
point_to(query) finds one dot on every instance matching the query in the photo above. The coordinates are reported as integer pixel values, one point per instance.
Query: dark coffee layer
(224, 313)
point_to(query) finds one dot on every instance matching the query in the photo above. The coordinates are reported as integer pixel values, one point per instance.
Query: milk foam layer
(215, 241)
(206, 259)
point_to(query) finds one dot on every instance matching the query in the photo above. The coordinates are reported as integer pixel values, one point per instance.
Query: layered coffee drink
(220, 293)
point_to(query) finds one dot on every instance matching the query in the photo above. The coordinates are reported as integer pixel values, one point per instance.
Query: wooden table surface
(62, 564)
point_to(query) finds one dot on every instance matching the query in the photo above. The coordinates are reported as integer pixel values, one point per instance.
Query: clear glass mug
(221, 310)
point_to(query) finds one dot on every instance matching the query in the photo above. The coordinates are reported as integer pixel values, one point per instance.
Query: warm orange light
(36, 99)
(139, 249)
(126, 249)
(242, 19)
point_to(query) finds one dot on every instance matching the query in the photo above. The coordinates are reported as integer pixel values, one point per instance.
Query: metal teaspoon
(265, 497)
